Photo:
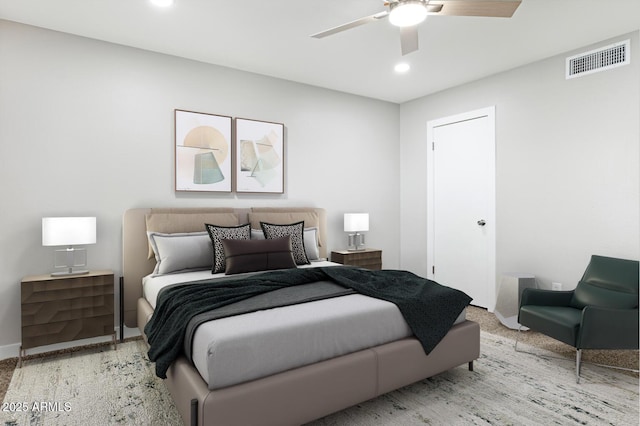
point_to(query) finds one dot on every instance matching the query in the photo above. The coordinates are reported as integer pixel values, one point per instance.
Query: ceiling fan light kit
(162, 3)
(407, 13)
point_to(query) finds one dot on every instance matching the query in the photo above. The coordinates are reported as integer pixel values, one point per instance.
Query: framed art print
(203, 152)
(259, 147)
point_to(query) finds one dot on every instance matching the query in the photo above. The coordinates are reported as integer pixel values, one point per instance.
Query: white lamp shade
(68, 231)
(356, 222)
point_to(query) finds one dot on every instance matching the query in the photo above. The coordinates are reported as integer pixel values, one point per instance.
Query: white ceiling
(271, 37)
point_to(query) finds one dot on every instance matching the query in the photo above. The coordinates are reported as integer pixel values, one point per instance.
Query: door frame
(488, 112)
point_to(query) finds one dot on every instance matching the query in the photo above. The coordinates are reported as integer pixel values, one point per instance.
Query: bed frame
(296, 396)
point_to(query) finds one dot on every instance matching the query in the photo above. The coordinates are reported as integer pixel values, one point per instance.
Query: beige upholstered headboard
(135, 249)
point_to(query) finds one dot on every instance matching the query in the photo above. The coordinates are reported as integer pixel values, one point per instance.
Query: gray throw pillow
(295, 231)
(219, 233)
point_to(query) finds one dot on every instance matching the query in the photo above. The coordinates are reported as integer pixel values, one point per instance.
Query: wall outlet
(556, 286)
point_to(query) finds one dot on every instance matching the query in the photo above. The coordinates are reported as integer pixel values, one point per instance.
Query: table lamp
(69, 231)
(354, 223)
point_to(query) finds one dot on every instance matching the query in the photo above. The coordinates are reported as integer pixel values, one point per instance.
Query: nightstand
(367, 258)
(66, 308)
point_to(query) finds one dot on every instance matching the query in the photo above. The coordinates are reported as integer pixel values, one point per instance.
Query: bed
(296, 395)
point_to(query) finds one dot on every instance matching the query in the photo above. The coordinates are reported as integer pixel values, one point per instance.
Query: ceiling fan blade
(492, 8)
(351, 24)
(409, 39)
(434, 8)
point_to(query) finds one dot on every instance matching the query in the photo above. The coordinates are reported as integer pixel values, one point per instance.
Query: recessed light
(162, 3)
(402, 67)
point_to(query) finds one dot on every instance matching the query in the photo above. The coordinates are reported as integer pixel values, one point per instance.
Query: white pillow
(257, 234)
(181, 251)
(310, 236)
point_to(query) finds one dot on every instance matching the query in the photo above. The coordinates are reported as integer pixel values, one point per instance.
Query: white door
(461, 204)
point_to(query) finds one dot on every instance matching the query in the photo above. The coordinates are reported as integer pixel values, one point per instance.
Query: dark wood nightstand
(367, 258)
(62, 309)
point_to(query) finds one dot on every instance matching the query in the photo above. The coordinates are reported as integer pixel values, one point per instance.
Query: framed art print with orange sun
(203, 152)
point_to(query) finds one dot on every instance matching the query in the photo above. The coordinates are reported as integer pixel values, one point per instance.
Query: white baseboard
(13, 350)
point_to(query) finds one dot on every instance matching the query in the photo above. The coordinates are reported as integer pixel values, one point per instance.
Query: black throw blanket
(429, 308)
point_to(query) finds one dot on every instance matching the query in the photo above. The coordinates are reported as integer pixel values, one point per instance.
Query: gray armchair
(601, 313)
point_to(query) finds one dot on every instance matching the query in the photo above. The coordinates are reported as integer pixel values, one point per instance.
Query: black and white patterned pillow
(219, 233)
(293, 230)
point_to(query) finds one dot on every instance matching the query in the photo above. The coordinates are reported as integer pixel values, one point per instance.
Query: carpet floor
(505, 388)
(97, 385)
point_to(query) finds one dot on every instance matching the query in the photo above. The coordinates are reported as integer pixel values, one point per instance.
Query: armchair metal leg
(578, 358)
(578, 355)
(515, 345)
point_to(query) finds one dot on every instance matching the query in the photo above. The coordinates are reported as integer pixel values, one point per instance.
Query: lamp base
(68, 259)
(356, 242)
(69, 273)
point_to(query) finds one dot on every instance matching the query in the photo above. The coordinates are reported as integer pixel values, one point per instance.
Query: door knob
(481, 222)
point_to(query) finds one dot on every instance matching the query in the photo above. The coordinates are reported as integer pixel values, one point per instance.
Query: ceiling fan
(407, 14)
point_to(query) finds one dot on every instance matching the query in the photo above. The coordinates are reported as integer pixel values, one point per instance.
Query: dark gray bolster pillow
(258, 255)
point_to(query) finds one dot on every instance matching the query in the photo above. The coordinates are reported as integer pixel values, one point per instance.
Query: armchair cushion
(594, 294)
(608, 282)
(560, 322)
(610, 272)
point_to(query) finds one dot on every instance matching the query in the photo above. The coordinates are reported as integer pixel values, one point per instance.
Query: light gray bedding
(246, 347)
(240, 348)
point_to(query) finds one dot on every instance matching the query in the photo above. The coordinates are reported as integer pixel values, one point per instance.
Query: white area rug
(98, 386)
(505, 388)
(103, 386)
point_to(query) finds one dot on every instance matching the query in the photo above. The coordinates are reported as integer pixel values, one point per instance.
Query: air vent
(602, 59)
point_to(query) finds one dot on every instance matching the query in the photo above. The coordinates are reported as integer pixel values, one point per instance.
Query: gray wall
(86, 128)
(567, 182)
(100, 116)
